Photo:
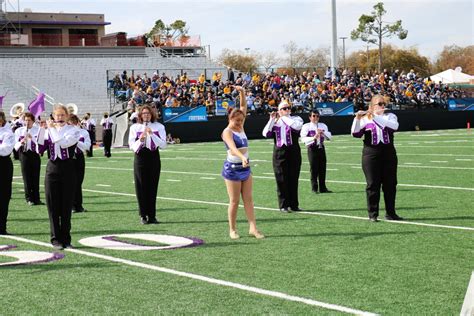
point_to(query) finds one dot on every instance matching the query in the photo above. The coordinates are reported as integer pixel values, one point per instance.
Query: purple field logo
(117, 242)
(27, 257)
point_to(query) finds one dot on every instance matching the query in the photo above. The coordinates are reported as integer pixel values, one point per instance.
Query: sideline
(239, 286)
(468, 305)
(307, 180)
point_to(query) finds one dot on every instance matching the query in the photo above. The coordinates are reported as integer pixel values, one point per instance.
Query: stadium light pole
(344, 50)
(334, 39)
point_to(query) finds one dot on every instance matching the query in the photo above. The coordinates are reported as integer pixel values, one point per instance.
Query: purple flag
(36, 107)
(1, 100)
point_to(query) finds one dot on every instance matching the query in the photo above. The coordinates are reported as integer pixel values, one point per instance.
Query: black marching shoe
(38, 202)
(58, 246)
(296, 209)
(373, 219)
(393, 217)
(143, 220)
(153, 220)
(285, 210)
(4, 232)
(30, 203)
(325, 191)
(68, 246)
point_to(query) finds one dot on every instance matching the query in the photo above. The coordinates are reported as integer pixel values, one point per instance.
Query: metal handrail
(49, 99)
(30, 91)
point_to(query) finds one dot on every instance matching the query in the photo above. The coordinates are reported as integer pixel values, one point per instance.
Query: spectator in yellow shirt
(202, 79)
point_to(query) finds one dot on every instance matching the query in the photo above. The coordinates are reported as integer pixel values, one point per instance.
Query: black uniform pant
(59, 189)
(107, 140)
(80, 166)
(30, 170)
(147, 169)
(379, 164)
(286, 167)
(90, 152)
(317, 167)
(6, 177)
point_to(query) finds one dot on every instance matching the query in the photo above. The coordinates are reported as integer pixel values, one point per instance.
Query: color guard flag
(1, 100)
(36, 107)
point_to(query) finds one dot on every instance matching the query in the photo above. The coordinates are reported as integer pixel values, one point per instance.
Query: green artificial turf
(331, 253)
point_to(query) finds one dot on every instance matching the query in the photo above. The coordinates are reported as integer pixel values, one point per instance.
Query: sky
(267, 25)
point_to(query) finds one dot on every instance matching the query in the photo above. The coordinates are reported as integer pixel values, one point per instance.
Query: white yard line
(439, 161)
(468, 305)
(102, 185)
(173, 180)
(277, 210)
(463, 159)
(262, 177)
(207, 178)
(206, 279)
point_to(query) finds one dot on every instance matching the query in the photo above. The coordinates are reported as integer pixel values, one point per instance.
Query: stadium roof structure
(451, 76)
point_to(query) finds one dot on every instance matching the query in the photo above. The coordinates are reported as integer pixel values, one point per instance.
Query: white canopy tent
(451, 76)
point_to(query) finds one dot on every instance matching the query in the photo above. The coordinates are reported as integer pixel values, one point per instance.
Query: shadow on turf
(58, 265)
(364, 209)
(441, 218)
(158, 210)
(266, 220)
(356, 236)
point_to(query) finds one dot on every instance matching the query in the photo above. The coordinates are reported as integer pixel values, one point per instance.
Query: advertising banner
(461, 104)
(335, 108)
(184, 114)
(223, 105)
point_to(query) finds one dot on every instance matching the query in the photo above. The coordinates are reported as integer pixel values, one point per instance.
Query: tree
(238, 60)
(401, 59)
(305, 57)
(454, 56)
(372, 29)
(269, 60)
(162, 33)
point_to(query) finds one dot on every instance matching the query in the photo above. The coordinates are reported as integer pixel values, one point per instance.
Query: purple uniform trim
(196, 242)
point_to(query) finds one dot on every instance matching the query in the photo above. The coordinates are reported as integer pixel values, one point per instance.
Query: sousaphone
(72, 108)
(17, 109)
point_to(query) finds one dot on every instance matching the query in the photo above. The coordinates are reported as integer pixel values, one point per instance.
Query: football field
(327, 260)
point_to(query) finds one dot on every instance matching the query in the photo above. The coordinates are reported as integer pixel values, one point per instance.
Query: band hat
(283, 104)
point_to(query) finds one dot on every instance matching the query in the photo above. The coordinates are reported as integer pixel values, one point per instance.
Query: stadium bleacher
(79, 75)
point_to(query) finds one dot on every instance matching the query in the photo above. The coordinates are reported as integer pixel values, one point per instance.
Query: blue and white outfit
(233, 169)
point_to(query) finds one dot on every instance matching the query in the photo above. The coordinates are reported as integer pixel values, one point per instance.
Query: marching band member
(236, 170)
(107, 123)
(379, 158)
(89, 124)
(26, 139)
(7, 142)
(79, 163)
(145, 138)
(60, 179)
(16, 123)
(285, 130)
(313, 135)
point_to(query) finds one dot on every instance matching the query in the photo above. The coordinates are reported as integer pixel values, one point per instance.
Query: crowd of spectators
(265, 91)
